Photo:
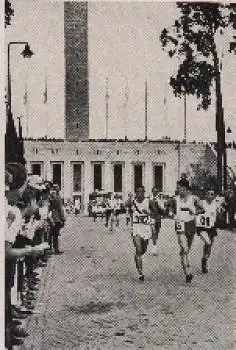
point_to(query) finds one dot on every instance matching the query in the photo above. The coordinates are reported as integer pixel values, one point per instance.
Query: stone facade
(114, 166)
(76, 70)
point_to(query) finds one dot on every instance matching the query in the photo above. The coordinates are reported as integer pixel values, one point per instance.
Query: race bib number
(141, 219)
(204, 221)
(179, 226)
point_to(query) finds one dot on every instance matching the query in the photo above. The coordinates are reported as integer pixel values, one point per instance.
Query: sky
(124, 46)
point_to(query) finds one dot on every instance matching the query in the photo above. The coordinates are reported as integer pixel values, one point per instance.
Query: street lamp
(19, 127)
(26, 53)
(228, 131)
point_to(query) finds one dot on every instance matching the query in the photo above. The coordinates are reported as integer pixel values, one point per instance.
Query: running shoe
(141, 278)
(189, 278)
(204, 265)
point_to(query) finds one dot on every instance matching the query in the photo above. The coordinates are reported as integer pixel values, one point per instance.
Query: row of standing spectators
(34, 216)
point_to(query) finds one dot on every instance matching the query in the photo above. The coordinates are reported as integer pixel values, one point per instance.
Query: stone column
(148, 178)
(127, 178)
(47, 170)
(107, 181)
(87, 185)
(28, 167)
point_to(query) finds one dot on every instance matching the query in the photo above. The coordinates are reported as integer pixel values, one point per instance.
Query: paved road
(91, 297)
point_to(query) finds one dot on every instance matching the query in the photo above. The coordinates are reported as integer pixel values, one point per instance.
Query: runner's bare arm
(199, 209)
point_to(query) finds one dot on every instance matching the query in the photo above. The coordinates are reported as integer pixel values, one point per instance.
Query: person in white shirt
(185, 207)
(206, 225)
(128, 207)
(117, 208)
(140, 229)
(77, 205)
(157, 208)
(110, 211)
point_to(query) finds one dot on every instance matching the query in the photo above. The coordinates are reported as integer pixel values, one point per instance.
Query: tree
(14, 146)
(193, 39)
(9, 12)
(202, 180)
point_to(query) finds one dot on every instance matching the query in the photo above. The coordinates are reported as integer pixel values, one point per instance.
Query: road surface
(90, 297)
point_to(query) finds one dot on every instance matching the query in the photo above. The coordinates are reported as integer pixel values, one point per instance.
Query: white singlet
(141, 222)
(43, 211)
(183, 214)
(208, 219)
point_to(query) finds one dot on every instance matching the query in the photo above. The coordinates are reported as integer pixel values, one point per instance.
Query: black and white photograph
(120, 175)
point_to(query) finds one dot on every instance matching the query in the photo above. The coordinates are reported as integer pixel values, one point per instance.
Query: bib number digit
(200, 221)
(204, 221)
(179, 226)
(208, 222)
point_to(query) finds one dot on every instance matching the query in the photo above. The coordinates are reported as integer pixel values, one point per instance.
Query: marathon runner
(141, 230)
(206, 225)
(129, 209)
(109, 212)
(113, 210)
(156, 210)
(186, 206)
(118, 205)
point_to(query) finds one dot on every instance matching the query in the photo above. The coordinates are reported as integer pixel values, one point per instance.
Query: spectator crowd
(34, 216)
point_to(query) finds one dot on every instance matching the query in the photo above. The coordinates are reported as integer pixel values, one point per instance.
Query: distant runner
(156, 210)
(129, 209)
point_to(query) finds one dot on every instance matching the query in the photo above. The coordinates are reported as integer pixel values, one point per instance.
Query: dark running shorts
(211, 231)
(144, 244)
(189, 228)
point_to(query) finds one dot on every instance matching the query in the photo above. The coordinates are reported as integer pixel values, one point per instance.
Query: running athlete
(141, 230)
(117, 207)
(129, 209)
(206, 225)
(156, 210)
(186, 206)
(109, 212)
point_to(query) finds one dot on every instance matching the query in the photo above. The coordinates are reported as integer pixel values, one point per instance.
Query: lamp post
(19, 128)
(26, 53)
(228, 131)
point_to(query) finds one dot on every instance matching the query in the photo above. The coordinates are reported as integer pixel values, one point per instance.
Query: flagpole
(126, 112)
(165, 111)
(107, 112)
(45, 95)
(26, 107)
(27, 119)
(145, 110)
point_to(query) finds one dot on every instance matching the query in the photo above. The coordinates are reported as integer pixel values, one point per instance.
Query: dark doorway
(138, 176)
(97, 177)
(118, 178)
(56, 174)
(158, 177)
(77, 177)
(36, 169)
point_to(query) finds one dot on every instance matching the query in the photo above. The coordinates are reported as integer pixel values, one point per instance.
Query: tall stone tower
(76, 61)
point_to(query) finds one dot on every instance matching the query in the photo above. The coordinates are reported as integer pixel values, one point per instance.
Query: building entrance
(57, 174)
(158, 177)
(117, 177)
(138, 176)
